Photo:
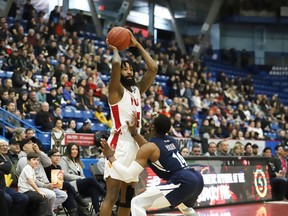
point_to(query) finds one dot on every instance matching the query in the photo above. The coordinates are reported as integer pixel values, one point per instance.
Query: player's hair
(162, 124)
(125, 62)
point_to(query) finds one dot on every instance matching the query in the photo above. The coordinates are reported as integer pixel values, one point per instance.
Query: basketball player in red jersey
(124, 99)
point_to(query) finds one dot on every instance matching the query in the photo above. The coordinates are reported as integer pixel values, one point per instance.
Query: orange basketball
(119, 37)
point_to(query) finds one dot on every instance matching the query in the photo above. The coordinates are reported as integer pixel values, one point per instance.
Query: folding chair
(96, 173)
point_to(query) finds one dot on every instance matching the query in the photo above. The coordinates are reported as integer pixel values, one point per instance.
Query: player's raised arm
(149, 76)
(115, 88)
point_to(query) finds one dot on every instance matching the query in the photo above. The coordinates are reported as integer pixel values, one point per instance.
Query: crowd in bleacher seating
(56, 77)
(51, 62)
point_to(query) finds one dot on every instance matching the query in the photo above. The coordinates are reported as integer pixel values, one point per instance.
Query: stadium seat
(9, 74)
(2, 74)
(29, 123)
(98, 127)
(67, 113)
(78, 114)
(87, 114)
(79, 125)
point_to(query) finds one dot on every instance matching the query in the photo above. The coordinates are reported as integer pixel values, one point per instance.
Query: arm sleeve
(45, 160)
(128, 173)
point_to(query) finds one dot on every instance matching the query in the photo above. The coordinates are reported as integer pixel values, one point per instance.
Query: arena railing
(45, 137)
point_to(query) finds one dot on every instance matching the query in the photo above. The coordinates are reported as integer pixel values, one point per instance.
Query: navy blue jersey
(170, 159)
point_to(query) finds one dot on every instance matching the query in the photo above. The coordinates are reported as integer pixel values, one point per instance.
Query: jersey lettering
(134, 102)
(181, 160)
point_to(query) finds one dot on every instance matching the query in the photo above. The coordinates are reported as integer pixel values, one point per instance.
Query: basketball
(119, 37)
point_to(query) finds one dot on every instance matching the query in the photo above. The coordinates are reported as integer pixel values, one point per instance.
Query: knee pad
(128, 198)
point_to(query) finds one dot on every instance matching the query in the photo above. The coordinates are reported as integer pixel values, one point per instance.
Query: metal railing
(45, 137)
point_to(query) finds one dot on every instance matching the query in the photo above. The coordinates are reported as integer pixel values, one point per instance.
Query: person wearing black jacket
(15, 201)
(44, 118)
(19, 79)
(279, 184)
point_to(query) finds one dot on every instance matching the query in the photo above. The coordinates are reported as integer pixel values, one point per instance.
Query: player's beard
(127, 82)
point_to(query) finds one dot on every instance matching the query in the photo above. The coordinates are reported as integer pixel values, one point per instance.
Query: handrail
(3, 120)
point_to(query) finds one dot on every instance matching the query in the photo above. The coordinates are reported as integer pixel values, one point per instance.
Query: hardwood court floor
(254, 209)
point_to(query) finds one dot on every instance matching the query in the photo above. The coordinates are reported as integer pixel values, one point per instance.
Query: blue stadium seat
(67, 113)
(9, 74)
(78, 114)
(53, 62)
(31, 122)
(39, 77)
(44, 137)
(79, 125)
(2, 74)
(98, 127)
(87, 114)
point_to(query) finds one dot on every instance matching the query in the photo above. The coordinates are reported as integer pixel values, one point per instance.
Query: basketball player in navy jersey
(124, 98)
(162, 154)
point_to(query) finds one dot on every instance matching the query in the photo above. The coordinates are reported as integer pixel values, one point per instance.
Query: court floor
(254, 209)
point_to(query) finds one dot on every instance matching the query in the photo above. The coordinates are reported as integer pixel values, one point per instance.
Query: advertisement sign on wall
(227, 180)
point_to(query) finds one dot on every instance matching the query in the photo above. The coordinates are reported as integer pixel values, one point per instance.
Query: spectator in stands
(212, 151)
(8, 84)
(223, 148)
(176, 130)
(101, 116)
(57, 113)
(41, 95)
(11, 119)
(28, 10)
(238, 149)
(64, 79)
(69, 97)
(30, 134)
(184, 151)
(71, 127)
(276, 174)
(21, 103)
(19, 79)
(14, 150)
(58, 126)
(82, 100)
(53, 100)
(279, 152)
(196, 100)
(73, 172)
(282, 137)
(196, 150)
(255, 148)
(56, 196)
(73, 196)
(248, 149)
(86, 128)
(32, 105)
(38, 200)
(4, 98)
(44, 118)
(204, 128)
(16, 201)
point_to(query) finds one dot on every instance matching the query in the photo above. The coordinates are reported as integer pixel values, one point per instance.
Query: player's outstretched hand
(132, 126)
(109, 46)
(105, 148)
(134, 42)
